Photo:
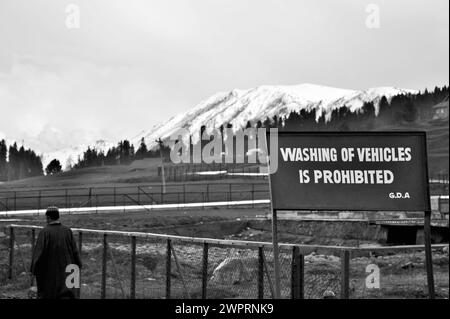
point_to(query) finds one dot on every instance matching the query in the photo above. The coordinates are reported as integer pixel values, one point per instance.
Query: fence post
(428, 254)
(229, 195)
(168, 267)
(15, 200)
(301, 268)
(133, 268)
(253, 195)
(297, 274)
(80, 243)
(104, 261)
(439, 205)
(114, 196)
(205, 270)
(39, 201)
(33, 239)
(260, 273)
(203, 199)
(139, 195)
(80, 251)
(345, 274)
(11, 252)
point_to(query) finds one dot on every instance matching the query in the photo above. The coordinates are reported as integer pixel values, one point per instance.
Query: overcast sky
(132, 64)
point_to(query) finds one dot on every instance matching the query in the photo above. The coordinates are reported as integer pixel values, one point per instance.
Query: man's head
(52, 214)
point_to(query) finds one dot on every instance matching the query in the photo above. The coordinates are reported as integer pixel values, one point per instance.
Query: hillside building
(440, 111)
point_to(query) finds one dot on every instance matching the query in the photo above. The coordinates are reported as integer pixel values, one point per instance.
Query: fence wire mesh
(322, 274)
(400, 275)
(232, 273)
(119, 266)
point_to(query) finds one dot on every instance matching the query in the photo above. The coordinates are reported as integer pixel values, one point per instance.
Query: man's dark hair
(52, 213)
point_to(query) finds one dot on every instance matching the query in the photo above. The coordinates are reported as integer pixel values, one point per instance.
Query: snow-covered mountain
(237, 107)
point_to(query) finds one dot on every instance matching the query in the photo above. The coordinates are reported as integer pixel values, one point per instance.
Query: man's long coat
(55, 249)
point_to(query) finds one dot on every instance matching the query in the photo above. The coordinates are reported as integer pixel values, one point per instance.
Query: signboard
(376, 171)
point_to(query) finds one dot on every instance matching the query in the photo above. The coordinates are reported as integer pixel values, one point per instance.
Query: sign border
(421, 134)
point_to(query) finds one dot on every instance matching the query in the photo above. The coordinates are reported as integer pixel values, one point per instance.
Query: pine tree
(142, 150)
(3, 163)
(54, 167)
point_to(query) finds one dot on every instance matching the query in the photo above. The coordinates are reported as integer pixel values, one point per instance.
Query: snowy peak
(237, 107)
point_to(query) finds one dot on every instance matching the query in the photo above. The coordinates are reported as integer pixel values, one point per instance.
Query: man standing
(55, 249)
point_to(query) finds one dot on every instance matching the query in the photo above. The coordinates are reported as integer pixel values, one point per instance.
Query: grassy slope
(135, 173)
(437, 143)
(138, 173)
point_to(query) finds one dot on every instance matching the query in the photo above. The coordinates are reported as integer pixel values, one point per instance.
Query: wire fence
(181, 193)
(142, 265)
(131, 195)
(213, 171)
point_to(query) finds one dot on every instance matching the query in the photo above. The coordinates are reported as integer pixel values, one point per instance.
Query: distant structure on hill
(441, 110)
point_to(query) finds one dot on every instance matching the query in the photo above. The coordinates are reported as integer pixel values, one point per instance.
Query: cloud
(50, 98)
(135, 64)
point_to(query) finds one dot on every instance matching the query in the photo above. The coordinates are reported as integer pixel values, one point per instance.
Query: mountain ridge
(237, 107)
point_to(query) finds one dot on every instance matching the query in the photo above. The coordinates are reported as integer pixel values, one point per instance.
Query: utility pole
(160, 143)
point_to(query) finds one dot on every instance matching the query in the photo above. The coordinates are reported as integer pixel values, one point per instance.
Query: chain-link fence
(399, 273)
(143, 265)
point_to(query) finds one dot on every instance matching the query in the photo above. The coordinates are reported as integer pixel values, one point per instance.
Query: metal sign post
(276, 260)
(428, 254)
(427, 230)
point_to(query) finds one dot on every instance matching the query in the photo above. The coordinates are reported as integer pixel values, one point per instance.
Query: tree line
(402, 110)
(122, 154)
(18, 162)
